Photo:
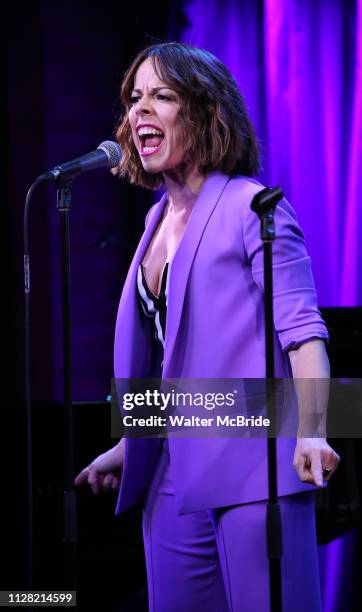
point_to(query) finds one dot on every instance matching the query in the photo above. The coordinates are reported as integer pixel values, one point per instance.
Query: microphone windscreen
(113, 152)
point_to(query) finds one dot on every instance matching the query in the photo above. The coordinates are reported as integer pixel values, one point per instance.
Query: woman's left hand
(314, 460)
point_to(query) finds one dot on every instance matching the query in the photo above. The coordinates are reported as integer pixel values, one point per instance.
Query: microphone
(107, 155)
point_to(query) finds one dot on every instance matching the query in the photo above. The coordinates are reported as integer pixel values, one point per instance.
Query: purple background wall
(299, 64)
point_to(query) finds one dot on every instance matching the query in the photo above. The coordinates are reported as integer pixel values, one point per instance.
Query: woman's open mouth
(151, 139)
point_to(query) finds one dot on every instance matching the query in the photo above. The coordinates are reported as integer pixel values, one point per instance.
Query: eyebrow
(153, 90)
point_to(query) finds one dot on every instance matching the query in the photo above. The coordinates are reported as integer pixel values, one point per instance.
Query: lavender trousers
(215, 560)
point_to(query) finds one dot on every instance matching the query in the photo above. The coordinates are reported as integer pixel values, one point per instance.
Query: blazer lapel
(128, 335)
(210, 194)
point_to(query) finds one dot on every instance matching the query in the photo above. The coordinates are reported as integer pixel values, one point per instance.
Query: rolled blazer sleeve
(296, 315)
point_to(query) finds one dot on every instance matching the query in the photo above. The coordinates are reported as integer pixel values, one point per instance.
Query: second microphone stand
(263, 205)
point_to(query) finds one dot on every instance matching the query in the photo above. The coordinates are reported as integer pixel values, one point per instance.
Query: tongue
(153, 141)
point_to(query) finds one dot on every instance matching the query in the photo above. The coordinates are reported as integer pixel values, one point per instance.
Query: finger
(94, 481)
(302, 466)
(107, 482)
(298, 464)
(81, 477)
(330, 464)
(100, 480)
(316, 469)
(334, 461)
(304, 469)
(115, 483)
(306, 475)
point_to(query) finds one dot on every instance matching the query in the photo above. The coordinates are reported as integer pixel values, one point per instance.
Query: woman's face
(154, 120)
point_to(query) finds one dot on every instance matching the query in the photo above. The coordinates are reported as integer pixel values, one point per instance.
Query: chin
(151, 169)
(153, 166)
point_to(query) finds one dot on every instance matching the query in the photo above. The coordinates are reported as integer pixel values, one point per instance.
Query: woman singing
(192, 307)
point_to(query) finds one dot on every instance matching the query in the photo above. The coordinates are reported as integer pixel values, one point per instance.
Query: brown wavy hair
(219, 133)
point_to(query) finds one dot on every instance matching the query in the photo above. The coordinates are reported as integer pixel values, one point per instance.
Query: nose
(144, 106)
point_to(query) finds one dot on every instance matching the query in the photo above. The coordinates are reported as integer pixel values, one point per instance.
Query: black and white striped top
(155, 306)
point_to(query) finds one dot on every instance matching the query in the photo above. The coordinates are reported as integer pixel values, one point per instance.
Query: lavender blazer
(215, 329)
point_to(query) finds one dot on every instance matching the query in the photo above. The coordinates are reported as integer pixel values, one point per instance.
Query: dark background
(62, 66)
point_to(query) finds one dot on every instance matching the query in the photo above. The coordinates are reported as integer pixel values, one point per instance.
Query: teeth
(145, 131)
(149, 149)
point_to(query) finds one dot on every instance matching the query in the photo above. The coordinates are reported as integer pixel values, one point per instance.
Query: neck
(183, 189)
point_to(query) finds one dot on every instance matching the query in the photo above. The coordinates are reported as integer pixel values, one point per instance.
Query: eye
(163, 97)
(134, 99)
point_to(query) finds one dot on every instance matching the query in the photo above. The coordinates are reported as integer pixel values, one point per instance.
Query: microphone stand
(263, 205)
(108, 154)
(70, 527)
